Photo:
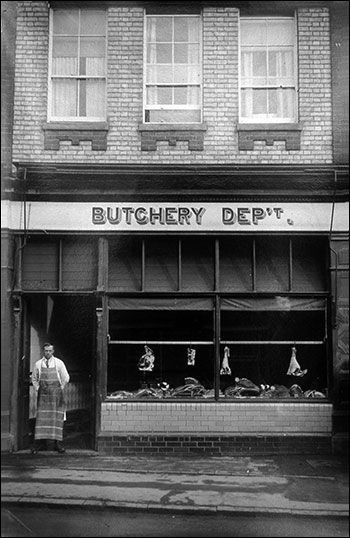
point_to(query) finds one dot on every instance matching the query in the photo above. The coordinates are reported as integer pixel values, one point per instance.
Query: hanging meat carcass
(146, 362)
(225, 367)
(191, 355)
(294, 367)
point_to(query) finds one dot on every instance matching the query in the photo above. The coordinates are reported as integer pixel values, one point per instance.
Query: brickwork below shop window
(210, 445)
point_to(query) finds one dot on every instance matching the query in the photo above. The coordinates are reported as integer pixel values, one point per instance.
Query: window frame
(288, 302)
(80, 119)
(146, 85)
(266, 119)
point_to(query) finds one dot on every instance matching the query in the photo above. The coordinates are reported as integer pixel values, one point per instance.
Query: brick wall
(8, 38)
(220, 72)
(340, 81)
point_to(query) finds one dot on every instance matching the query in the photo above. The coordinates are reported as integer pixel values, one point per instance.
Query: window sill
(151, 133)
(75, 132)
(248, 133)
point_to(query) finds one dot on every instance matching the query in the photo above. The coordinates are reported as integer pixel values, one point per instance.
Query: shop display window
(265, 348)
(276, 347)
(162, 349)
(196, 317)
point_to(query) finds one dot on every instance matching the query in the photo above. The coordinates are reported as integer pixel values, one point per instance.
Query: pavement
(310, 485)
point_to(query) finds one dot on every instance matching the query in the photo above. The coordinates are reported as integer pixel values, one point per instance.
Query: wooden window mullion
(60, 265)
(143, 262)
(254, 265)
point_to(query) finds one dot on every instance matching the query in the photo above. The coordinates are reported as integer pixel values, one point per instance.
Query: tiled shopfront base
(215, 428)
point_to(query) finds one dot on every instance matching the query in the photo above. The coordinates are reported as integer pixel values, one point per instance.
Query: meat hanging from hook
(294, 367)
(225, 367)
(191, 356)
(146, 362)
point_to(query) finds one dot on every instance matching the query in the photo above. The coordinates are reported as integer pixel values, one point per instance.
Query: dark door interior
(68, 323)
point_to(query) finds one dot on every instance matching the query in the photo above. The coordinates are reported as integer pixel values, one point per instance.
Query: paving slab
(311, 485)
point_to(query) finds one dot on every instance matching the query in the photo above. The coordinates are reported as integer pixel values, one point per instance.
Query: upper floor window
(78, 64)
(268, 74)
(173, 78)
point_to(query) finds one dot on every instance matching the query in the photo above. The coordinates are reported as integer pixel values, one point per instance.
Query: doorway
(67, 322)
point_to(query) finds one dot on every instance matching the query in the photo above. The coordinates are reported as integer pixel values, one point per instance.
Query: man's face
(48, 352)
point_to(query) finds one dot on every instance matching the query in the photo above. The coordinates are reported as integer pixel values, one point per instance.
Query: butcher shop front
(189, 327)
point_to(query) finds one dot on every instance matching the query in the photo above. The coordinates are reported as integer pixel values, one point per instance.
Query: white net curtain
(268, 89)
(78, 64)
(173, 72)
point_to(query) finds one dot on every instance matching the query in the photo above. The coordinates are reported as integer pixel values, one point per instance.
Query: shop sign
(176, 217)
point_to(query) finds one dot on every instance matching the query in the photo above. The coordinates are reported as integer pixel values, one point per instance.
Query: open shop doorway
(67, 322)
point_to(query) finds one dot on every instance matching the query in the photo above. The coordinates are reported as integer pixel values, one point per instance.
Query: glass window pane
(259, 105)
(159, 74)
(281, 67)
(181, 74)
(253, 32)
(268, 365)
(168, 324)
(151, 95)
(259, 67)
(40, 266)
(164, 95)
(246, 64)
(161, 270)
(174, 116)
(272, 264)
(186, 29)
(186, 54)
(92, 56)
(197, 264)
(65, 47)
(95, 98)
(309, 265)
(163, 54)
(280, 32)
(92, 47)
(66, 22)
(159, 29)
(92, 22)
(281, 103)
(236, 264)
(64, 98)
(247, 103)
(186, 95)
(78, 264)
(274, 326)
(181, 54)
(124, 265)
(124, 380)
(65, 56)
(180, 95)
(273, 102)
(170, 359)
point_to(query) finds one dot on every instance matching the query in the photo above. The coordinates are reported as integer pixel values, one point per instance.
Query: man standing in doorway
(49, 378)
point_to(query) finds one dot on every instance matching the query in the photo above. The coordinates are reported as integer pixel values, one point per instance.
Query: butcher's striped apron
(50, 411)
